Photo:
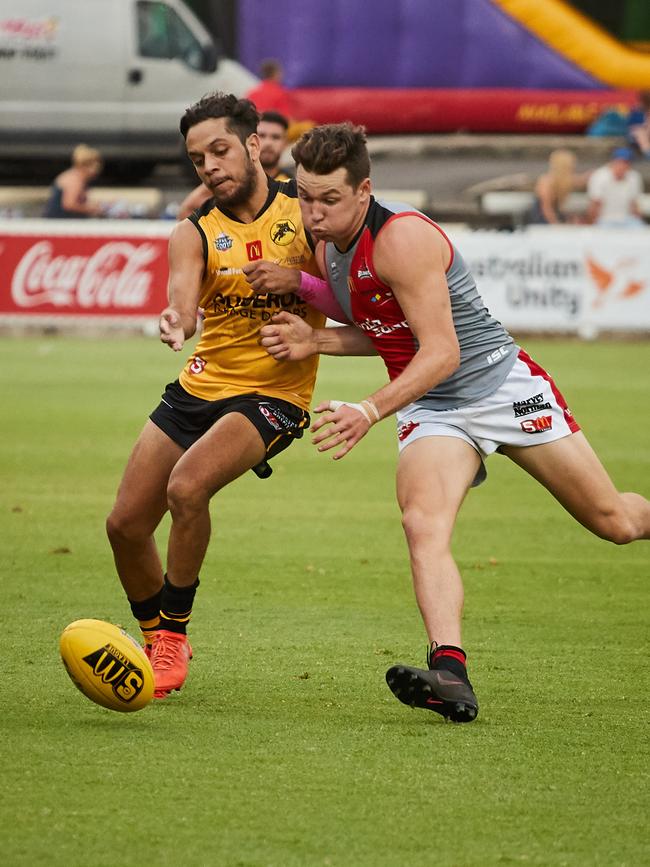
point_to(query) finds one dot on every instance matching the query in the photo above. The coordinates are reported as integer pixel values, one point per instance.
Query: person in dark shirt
(68, 196)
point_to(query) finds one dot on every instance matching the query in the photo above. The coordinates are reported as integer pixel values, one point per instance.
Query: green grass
(286, 747)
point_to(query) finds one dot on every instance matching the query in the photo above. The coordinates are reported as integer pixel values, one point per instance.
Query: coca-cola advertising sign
(90, 275)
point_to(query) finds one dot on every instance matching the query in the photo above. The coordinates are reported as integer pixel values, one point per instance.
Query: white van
(116, 74)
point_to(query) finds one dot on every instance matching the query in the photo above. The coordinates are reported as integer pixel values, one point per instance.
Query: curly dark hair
(327, 148)
(241, 115)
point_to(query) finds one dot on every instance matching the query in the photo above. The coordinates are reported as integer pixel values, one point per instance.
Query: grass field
(286, 747)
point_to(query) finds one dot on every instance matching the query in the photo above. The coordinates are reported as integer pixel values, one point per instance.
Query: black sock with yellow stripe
(147, 613)
(176, 606)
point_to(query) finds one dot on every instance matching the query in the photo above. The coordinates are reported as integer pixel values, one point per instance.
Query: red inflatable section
(395, 110)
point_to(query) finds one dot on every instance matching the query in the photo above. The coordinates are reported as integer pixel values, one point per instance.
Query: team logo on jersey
(406, 429)
(537, 425)
(531, 404)
(283, 232)
(364, 272)
(197, 365)
(223, 242)
(254, 250)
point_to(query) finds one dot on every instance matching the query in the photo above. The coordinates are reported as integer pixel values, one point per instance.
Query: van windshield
(163, 34)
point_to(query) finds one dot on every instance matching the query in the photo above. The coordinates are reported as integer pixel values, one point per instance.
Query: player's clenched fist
(266, 276)
(288, 338)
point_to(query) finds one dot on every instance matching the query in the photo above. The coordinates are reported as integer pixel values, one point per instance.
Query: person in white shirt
(614, 191)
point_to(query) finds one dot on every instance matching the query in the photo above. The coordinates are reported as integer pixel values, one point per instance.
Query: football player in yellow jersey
(272, 131)
(233, 407)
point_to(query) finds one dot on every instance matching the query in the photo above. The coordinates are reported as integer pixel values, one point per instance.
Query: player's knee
(120, 529)
(615, 526)
(184, 497)
(423, 526)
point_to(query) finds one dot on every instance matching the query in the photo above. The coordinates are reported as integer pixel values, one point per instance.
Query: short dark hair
(329, 147)
(275, 117)
(270, 68)
(241, 115)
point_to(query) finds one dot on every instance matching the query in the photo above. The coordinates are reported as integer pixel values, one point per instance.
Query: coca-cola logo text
(114, 275)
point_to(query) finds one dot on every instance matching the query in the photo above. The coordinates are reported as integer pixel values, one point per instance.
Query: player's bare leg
(230, 448)
(570, 469)
(433, 477)
(139, 507)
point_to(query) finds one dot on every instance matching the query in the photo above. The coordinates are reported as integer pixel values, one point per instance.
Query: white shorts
(527, 409)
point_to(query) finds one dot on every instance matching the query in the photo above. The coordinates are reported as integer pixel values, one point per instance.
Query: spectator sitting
(554, 186)
(68, 198)
(614, 191)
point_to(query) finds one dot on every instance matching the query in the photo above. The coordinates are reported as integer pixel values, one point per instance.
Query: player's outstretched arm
(264, 277)
(186, 264)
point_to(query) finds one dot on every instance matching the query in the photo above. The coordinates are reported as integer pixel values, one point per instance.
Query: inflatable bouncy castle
(445, 65)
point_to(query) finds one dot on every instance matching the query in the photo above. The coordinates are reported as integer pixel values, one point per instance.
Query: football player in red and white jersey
(459, 385)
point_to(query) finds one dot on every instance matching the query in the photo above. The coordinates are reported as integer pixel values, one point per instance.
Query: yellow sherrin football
(107, 665)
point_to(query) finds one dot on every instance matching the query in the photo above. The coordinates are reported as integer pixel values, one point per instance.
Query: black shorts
(185, 418)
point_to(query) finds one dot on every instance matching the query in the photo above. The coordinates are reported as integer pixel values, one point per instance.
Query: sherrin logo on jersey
(283, 232)
(537, 425)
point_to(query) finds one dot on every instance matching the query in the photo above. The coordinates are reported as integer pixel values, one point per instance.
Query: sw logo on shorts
(537, 425)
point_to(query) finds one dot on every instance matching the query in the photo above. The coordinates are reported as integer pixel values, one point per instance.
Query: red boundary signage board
(54, 269)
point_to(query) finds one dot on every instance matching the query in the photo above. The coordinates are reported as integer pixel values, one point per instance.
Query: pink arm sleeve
(319, 294)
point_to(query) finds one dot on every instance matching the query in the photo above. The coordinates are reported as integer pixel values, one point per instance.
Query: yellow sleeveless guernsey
(228, 359)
